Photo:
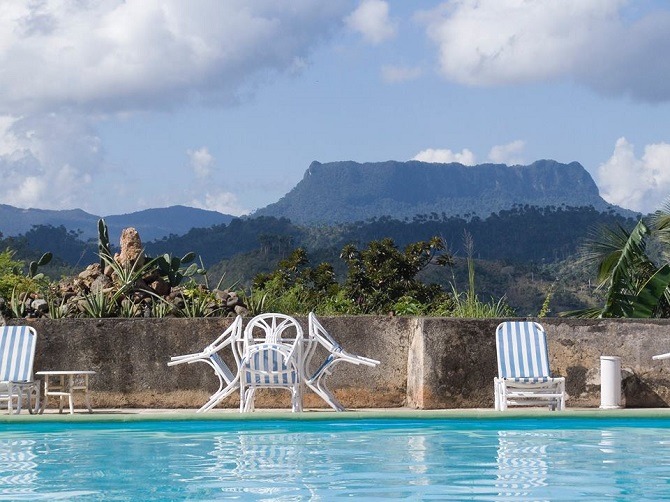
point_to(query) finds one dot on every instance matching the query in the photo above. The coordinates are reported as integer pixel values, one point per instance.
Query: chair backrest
(318, 333)
(272, 349)
(522, 350)
(272, 328)
(17, 352)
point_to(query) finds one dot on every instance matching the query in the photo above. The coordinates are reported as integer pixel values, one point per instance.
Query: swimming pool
(456, 459)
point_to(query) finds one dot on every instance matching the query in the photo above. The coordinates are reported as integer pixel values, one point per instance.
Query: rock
(101, 283)
(241, 310)
(160, 287)
(132, 253)
(232, 299)
(90, 272)
(40, 305)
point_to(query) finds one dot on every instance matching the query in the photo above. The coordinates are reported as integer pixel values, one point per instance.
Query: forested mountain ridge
(151, 223)
(339, 192)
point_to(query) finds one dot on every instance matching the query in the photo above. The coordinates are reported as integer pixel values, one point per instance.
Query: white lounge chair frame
(524, 378)
(336, 354)
(272, 357)
(228, 380)
(17, 353)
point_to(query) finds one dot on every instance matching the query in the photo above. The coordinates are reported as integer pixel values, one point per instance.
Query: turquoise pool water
(440, 459)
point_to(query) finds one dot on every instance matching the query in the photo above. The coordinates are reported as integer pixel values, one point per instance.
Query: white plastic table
(63, 384)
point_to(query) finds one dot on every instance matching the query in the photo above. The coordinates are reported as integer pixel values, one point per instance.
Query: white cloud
(371, 19)
(393, 74)
(498, 42)
(445, 156)
(68, 64)
(47, 161)
(201, 162)
(641, 184)
(223, 202)
(118, 55)
(509, 154)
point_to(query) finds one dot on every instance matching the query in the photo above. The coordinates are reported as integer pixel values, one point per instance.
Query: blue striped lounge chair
(211, 355)
(524, 378)
(17, 353)
(271, 357)
(336, 354)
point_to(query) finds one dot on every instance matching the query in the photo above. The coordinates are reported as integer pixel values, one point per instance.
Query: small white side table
(64, 384)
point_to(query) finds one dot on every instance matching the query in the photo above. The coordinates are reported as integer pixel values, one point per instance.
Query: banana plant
(635, 286)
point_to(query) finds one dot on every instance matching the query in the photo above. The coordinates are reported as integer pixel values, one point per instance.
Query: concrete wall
(425, 362)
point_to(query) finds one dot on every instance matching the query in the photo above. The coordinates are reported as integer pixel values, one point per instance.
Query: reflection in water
(522, 462)
(18, 467)
(361, 459)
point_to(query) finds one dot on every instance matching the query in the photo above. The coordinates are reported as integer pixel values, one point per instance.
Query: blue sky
(115, 106)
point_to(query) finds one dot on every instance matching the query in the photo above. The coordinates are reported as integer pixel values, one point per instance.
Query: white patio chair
(524, 378)
(336, 354)
(17, 353)
(228, 379)
(272, 357)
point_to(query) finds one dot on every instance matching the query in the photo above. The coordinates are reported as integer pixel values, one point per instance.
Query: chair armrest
(186, 358)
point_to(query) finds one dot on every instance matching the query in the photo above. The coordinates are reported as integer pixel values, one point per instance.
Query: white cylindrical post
(610, 382)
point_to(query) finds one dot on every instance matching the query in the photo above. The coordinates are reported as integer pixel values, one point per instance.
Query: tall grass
(467, 303)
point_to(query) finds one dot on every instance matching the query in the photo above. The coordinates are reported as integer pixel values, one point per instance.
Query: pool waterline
(147, 414)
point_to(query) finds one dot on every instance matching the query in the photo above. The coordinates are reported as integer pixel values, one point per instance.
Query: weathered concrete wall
(425, 362)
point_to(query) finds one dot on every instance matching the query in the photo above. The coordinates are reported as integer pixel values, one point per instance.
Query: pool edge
(135, 415)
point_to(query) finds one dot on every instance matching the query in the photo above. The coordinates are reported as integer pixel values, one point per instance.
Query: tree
(381, 275)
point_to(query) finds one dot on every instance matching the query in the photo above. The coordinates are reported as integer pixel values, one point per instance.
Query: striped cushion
(224, 370)
(529, 379)
(265, 366)
(522, 351)
(17, 350)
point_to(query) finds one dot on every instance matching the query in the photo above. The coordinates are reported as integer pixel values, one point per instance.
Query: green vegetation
(524, 261)
(636, 283)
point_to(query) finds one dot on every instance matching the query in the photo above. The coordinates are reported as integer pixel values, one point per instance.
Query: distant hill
(340, 192)
(157, 223)
(151, 223)
(15, 221)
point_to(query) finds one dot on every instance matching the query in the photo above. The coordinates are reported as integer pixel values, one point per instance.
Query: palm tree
(635, 285)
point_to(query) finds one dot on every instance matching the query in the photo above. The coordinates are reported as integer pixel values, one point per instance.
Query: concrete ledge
(153, 415)
(426, 363)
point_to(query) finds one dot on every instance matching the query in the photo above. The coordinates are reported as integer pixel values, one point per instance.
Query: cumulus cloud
(125, 55)
(641, 184)
(223, 202)
(509, 154)
(89, 61)
(371, 20)
(394, 74)
(201, 162)
(47, 161)
(445, 156)
(498, 42)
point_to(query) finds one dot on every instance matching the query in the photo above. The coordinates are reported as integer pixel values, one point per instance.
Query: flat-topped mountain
(350, 191)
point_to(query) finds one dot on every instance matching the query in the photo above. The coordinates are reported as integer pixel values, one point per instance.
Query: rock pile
(130, 285)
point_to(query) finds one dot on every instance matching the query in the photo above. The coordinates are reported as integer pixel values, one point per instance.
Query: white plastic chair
(228, 380)
(17, 353)
(336, 354)
(524, 378)
(272, 357)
